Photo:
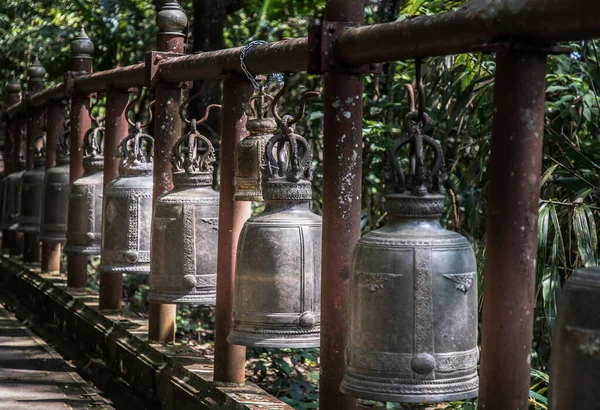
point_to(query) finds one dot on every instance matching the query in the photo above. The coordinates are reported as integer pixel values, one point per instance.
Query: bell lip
(139, 268)
(588, 277)
(28, 228)
(348, 387)
(184, 298)
(51, 237)
(88, 250)
(276, 341)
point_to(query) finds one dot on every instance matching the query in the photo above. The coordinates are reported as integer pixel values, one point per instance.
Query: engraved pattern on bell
(413, 292)
(185, 227)
(278, 268)
(30, 197)
(575, 356)
(84, 209)
(249, 153)
(128, 208)
(56, 193)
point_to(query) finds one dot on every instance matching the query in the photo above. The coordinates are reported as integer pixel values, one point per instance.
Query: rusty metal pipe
(54, 127)
(513, 200)
(80, 122)
(230, 360)
(121, 77)
(342, 156)
(116, 127)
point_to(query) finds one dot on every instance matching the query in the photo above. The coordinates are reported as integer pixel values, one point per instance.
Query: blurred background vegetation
(459, 100)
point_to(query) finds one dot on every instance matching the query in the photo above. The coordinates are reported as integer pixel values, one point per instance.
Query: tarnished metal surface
(413, 287)
(56, 193)
(130, 76)
(11, 199)
(511, 247)
(127, 208)
(250, 151)
(30, 195)
(278, 266)
(185, 228)
(84, 216)
(575, 359)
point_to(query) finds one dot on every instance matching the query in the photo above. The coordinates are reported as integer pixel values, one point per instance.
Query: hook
(293, 120)
(136, 98)
(94, 97)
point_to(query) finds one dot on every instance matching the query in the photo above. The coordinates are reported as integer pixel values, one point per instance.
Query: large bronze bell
(84, 209)
(278, 267)
(56, 193)
(128, 208)
(575, 358)
(11, 195)
(183, 266)
(413, 291)
(249, 153)
(30, 198)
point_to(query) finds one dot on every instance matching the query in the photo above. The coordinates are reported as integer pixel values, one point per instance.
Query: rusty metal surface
(342, 156)
(230, 360)
(111, 285)
(47, 96)
(413, 287)
(510, 260)
(122, 77)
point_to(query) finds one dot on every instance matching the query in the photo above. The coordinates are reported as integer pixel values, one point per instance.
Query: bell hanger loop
(138, 124)
(287, 121)
(94, 103)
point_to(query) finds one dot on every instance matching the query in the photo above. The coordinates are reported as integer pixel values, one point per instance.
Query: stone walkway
(34, 376)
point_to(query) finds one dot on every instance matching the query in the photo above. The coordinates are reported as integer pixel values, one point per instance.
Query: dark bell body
(575, 358)
(11, 200)
(30, 198)
(54, 202)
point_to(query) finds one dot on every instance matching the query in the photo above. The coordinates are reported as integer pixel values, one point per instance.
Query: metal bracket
(321, 58)
(69, 81)
(153, 59)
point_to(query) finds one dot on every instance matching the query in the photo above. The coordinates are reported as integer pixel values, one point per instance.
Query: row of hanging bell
(84, 218)
(278, 266)
(413, 290)
(11, 194)
(127, 209)
(56, 192)
(30, 197)
(185, 226)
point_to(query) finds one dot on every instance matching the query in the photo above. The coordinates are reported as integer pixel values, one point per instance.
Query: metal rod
(342, 156)
(54, 127)
(111, 284)
(81, 61)
(171, 21)
(122, 77)
(230, 360)
(513, 200)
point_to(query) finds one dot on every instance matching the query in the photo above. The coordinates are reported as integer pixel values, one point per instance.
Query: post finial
(82, 46)
(36, 71)
(171, 18)
(13, 86)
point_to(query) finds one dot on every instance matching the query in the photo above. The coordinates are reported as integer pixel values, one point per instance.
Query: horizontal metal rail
(476, 26)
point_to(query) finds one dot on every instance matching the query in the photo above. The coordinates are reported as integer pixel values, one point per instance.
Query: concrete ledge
(173, 377)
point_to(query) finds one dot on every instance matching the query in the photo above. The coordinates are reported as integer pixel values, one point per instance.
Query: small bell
(249, 153)
(84, 209)
(30, 201)
(56, 193)
(12, 196)
(185, 227)
(575, 358)
(128, 207)
(278, 267)
(413, 291)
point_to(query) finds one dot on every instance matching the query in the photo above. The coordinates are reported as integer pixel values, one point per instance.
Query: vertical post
(35, 83)
(342, 166)
(18, 165)
(515, 168)
(13, 96)
(111, 284)
(81, 62)
(54, 127)
(171, 21)
(230, 360)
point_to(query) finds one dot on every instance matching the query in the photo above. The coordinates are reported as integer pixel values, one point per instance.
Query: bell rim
(88, 250)
(354, 386)
(140, 269)
(52, 237)
(195, 298)
(276, 341)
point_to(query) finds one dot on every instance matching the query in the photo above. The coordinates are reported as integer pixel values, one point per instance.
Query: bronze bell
(128, 208)
(30, 199)
(575, 357)
(183, 266)
(413, 291)
(278, 267)
(249, 152)
(84, 209)
(56, 193)
(11, 197)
